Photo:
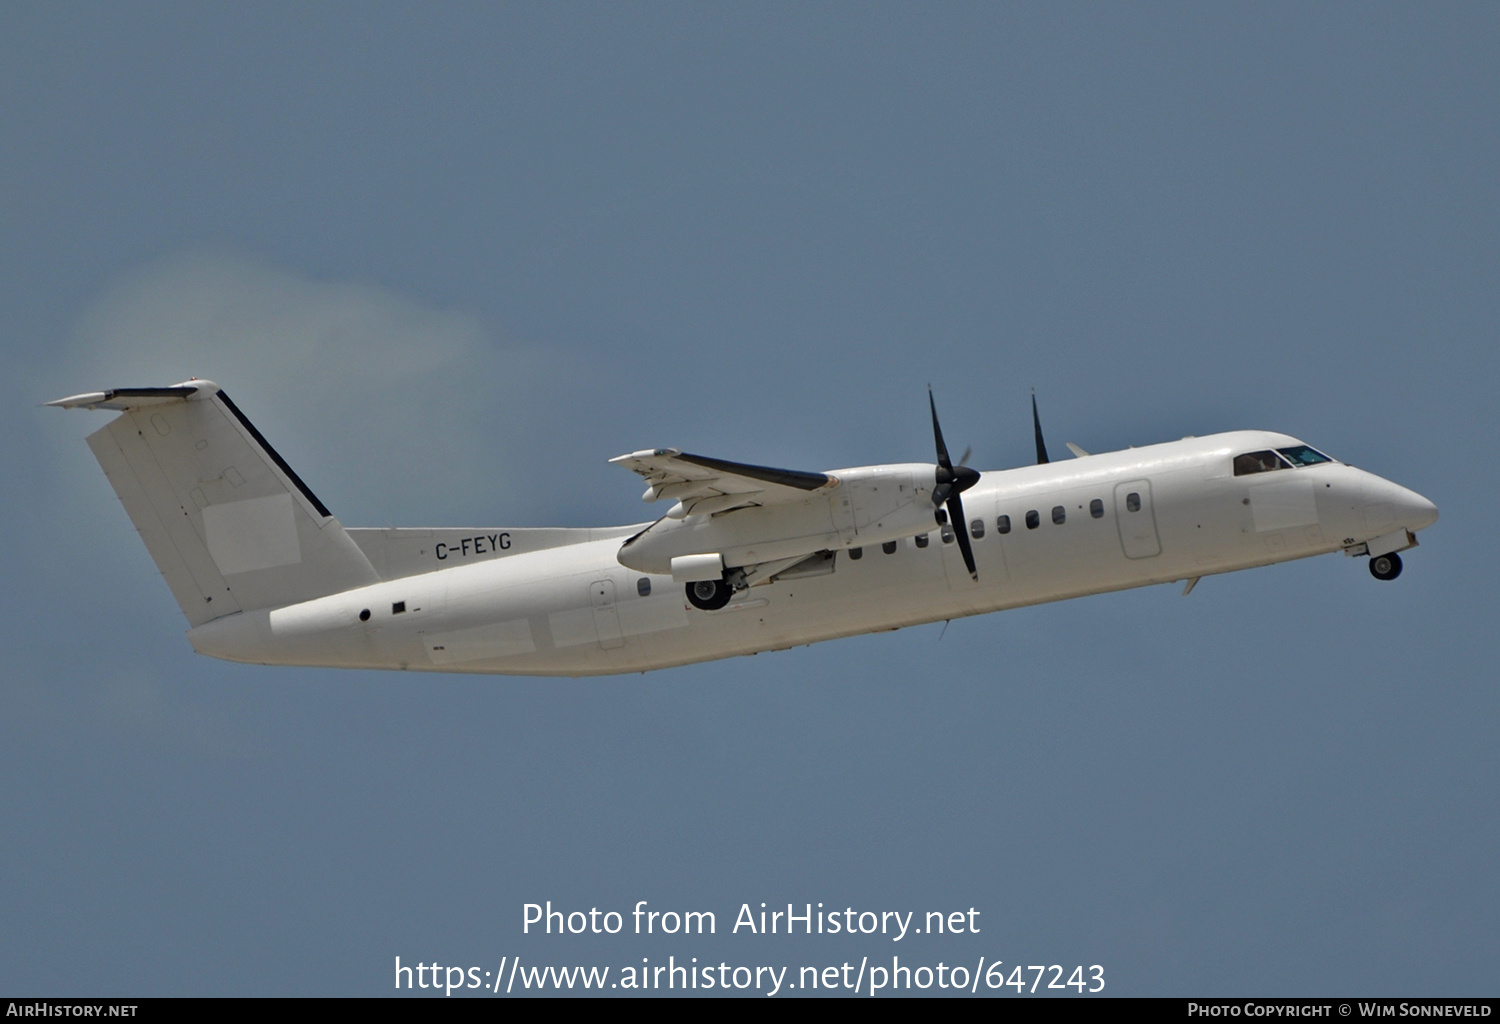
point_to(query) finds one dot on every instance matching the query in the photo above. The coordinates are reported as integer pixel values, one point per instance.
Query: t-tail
(229, 524)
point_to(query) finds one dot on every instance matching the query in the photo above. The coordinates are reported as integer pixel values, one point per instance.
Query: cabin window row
(1002, 524)
(1033, 517)
(890, 546)
(921, 540)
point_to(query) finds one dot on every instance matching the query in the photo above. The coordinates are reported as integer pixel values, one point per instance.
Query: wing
(703, 486)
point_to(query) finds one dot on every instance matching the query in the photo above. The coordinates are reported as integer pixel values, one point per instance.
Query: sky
(451, 258)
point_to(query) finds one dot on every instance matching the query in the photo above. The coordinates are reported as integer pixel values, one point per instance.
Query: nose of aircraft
(1391, 504)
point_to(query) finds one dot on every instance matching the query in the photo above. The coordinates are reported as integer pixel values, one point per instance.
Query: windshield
(1302, 455)
(1258, 462)
(1282, 458)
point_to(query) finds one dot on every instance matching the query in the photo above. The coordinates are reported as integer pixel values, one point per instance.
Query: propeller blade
(937, 434)
(950, 482)
(961, 528)
(1036, 423)
(964, 461)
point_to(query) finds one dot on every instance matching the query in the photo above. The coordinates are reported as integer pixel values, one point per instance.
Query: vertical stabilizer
(229, 524)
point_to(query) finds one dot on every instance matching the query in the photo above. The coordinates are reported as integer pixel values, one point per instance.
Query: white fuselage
(1104, 522)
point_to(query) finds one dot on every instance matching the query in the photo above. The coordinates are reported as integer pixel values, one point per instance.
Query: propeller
(951, 482)
(1036, 425)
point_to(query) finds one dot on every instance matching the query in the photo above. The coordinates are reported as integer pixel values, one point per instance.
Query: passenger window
(1059, 515)
(1096, 508)
(856, 553)
(1002, 525)
(889, 547)
(921, 540)
(976, 529)
(1257, 462)
(1302, 455)
(1033, 519)
(398, 607)
(1133, 501)
(643, 586)
(946, 533)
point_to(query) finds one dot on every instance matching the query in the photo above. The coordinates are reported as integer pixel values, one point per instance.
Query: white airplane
(746, 559)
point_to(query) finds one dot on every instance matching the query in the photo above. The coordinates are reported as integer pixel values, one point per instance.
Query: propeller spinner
(951, 482)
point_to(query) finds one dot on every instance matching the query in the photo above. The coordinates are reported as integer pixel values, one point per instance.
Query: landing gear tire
(1385, 567)
(709, 595)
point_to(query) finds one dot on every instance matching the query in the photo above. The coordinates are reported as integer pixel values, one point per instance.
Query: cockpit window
(1258, 462)
(1302, 455)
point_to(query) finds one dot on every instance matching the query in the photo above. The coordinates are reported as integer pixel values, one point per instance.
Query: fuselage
(1089, 525)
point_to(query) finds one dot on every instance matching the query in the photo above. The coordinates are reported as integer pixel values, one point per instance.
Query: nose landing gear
(1385, 567)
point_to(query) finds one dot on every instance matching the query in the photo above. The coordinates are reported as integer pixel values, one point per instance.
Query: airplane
(746, 558)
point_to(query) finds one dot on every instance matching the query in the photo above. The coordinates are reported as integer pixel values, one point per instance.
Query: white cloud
(268, 328)
(390, 408)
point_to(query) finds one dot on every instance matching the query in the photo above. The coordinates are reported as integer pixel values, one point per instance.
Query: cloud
(393, 409)
(269, 328)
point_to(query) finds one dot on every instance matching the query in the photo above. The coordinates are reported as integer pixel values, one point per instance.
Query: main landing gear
(1385, 567)
(711, 595)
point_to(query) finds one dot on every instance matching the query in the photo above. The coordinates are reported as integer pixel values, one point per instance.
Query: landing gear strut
(1385, 567)
(711, 595)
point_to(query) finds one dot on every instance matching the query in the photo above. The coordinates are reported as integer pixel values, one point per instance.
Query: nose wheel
(709, 595)
(1385, 567)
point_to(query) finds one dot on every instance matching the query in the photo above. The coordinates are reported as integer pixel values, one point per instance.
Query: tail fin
(229, 524)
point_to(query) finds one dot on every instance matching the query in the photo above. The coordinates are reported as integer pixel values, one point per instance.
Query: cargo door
(606, 618)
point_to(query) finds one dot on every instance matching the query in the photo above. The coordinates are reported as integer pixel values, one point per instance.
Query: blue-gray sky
(451, 258)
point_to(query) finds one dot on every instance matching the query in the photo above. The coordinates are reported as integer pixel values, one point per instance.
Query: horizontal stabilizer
(121, 399)
(398, 552)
